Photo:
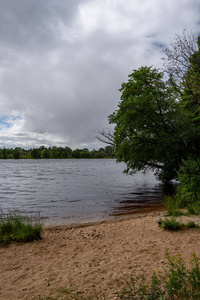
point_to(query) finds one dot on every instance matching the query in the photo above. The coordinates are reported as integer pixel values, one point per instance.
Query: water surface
(68, 191)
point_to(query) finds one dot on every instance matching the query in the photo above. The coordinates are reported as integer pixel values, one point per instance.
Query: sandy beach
(91, 258)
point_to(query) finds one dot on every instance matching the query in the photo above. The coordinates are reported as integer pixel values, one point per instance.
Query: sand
(91, 258)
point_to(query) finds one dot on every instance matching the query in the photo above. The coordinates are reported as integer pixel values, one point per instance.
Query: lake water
(76, 191)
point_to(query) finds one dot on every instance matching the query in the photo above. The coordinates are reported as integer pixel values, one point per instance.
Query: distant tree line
(55, 153)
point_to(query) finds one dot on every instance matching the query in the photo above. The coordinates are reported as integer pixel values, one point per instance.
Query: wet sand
(91, 258)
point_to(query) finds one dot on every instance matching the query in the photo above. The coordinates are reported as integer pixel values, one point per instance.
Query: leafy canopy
(157, 122)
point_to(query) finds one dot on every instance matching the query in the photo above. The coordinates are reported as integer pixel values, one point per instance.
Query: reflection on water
(147, 201)
(68, 191)
(128, 207)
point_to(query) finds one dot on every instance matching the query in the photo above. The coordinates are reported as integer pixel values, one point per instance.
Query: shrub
(18, 227)
(189, 177)
(188, 192)
(193, 208)
(173, 205)
(177, 282)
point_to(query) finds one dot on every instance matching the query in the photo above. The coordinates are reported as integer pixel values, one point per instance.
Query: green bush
(173, 205)
(193, 208)
(177, 282)
(18, 227)
(189, 177)
(188, 192)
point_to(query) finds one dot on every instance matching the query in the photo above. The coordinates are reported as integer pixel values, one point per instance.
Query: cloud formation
(62, 63)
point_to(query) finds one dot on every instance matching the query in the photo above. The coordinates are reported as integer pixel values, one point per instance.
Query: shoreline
(93, 258)
(128, 216)
(113, 217)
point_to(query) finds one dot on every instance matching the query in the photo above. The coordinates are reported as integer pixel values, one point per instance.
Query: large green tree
(149, 125)
(157, 124)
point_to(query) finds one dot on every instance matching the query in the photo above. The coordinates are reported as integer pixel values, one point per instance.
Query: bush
(188, 192)
(189, 177)
(176, 283)
(173, 205)
(193, 208)
(18, 227)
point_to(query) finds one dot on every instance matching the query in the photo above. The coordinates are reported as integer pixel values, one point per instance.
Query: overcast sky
(63, 61)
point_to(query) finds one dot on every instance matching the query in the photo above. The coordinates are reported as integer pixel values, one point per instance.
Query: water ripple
(74, 190)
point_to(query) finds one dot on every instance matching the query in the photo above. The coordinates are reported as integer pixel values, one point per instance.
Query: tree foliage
(189, 176)
(149, 125)
(56, 153)
(157, 124)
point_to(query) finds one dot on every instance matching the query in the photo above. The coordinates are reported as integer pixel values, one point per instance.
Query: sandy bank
(99, 256)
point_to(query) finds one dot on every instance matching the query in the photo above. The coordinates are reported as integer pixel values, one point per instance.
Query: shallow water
(75, 191)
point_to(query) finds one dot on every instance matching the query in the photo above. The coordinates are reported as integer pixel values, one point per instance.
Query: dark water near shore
(75, 191)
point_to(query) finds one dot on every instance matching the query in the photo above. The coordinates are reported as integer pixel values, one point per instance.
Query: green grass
(171, 224)
(193, 208)
(174, 207)
(192, 224)
(18, 227)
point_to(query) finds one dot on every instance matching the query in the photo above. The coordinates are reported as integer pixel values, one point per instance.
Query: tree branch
(105, 136)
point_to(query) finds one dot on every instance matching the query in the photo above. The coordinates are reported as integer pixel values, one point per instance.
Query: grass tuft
(192, 224)
(18, 227)
(171, 224)
(173, 206)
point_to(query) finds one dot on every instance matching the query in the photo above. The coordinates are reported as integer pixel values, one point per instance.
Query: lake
(75, 191)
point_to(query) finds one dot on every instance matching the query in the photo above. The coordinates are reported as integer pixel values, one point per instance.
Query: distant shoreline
(56, 153)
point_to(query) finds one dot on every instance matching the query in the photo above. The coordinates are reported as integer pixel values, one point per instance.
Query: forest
(55, 153)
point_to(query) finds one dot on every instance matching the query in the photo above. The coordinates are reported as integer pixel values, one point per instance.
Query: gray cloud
(62, 62)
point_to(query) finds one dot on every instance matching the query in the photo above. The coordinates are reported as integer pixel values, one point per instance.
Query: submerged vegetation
(18, 227)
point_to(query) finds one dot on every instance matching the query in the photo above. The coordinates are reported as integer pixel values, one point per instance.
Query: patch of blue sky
(8, 121)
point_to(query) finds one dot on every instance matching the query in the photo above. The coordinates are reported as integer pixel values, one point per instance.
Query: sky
(62, 63)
